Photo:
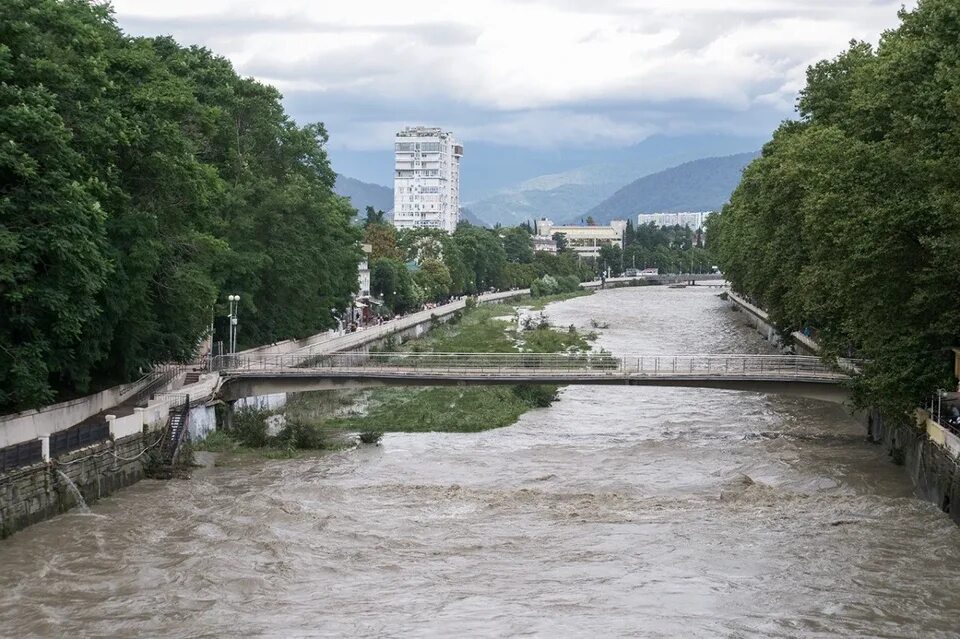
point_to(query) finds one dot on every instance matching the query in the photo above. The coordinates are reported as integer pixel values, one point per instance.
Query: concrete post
(45, 447)
(141, 412)
(110, 419)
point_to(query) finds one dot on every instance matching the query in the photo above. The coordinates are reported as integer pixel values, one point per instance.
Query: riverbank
(516, 327)
(926, 450)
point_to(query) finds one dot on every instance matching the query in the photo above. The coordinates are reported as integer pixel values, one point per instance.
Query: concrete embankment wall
(34, 493)
(932, 466)
(929, 452)
(760, 321)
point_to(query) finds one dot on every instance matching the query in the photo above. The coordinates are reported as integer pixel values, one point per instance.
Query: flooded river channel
(617, 512)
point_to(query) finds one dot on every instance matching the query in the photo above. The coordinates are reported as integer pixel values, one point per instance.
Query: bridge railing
(642, 365)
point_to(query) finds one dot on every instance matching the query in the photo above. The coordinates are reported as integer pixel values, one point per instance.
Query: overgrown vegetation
(249, 435)
(848, 226)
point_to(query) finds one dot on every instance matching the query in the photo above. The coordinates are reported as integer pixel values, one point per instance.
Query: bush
(250, 427)
(568, 283)
(370, 437)
(543, 286)
(536, 395)
(549, 285)
(471, 303)
(217, 442)
(302, 436)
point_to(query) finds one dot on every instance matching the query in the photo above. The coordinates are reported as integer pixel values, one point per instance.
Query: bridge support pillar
(228, 416)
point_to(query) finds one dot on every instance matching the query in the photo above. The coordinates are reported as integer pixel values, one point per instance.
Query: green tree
(611, 257)
(561, 241)
(382, 239)
(53, 249)
(391, 281)
(484, 257)
(517, 245)
(434, 279)
(849, 222)
(374, 216)
(141, 179)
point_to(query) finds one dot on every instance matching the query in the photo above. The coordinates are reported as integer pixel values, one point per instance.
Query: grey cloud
(341, 66)
(203, 28)
(366, 84)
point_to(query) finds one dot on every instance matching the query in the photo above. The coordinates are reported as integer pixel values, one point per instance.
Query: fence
(941, 412)
(78, 436)
(26, 454)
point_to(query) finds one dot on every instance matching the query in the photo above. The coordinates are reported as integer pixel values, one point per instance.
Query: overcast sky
(531, 73)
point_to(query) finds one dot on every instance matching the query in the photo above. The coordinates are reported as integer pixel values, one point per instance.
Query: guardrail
(780, 366)
(138, 392)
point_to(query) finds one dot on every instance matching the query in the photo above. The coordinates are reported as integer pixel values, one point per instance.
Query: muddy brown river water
(617, 512)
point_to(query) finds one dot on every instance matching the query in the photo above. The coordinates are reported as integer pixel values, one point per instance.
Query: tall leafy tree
(849, 222)
(138, 180)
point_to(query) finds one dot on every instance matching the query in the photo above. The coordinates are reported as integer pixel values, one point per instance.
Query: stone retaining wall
(32, 494)
(934, 471)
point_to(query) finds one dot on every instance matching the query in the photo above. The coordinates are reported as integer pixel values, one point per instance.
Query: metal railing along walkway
(532, 365)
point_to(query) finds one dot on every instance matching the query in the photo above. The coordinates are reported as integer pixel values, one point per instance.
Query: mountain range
(572, 193)
(489, 168)
(603, 191)
(700, 185)
(364, 194)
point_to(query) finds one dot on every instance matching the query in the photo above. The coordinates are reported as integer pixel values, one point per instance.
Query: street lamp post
(232, 335)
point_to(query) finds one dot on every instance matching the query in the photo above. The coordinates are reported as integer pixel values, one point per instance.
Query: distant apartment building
(545, 244)
(585, 241)
(691, 220)
(426, 179)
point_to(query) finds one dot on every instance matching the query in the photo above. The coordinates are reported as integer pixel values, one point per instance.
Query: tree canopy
(848, 225)
(141, 181)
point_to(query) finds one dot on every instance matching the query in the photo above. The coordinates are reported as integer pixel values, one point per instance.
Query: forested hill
(142, 183)
(701, 185)
(364, 194)
(849, 224)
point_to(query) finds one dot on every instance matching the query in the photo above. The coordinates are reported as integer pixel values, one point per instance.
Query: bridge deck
(519, 375)
(801, 376)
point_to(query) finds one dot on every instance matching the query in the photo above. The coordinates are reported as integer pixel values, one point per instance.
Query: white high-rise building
(690, 220)
(426, 179)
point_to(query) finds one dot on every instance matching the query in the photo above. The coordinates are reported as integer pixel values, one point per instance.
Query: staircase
(192, 378)
(177, 426)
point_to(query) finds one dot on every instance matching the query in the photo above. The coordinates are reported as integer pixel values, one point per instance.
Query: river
(617, 512)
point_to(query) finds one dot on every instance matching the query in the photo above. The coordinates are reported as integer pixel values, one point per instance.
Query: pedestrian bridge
(777, 374)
